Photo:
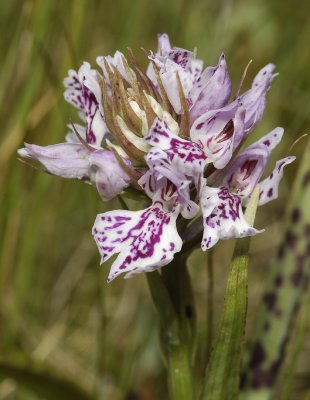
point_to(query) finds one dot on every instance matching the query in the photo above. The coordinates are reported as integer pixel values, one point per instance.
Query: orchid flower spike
(172, 135)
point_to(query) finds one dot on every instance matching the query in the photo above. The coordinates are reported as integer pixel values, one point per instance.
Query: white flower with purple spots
(83, 92)
(170, 136)
(145, 240)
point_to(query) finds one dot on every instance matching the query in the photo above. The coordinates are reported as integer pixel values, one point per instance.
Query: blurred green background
(57, 314)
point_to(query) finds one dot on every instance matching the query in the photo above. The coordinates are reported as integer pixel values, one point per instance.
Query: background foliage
(61, 325)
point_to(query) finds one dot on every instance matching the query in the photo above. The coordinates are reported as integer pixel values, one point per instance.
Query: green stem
(209, 330)
(173, 300)
(179, 373)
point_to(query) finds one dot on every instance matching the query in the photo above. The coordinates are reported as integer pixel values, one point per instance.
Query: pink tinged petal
(67, 160)
(254, 100)
(222, 217)
(146, 240)
(185, 156)
(211, 91)
(216, 131)
(239, 125)
(106, 174)
(164, 46)
(269, 141)
(269, 187)
(246, 170)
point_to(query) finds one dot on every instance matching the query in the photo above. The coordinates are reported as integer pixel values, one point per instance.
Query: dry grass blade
(148, 84)
(165, 99)
(184, 125)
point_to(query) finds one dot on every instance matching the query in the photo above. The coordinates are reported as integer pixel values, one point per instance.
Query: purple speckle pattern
(269, 187)
(222, 217)
(181, 57)
(187, 156)
(146, 240)
(81, 97)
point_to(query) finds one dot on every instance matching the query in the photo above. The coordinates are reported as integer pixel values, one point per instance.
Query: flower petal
(83, 91)
(245, 171)
(269, 186)
(171, 187)
(270, 141)
(222, 216)
(72, 160)
(146, 240)
(247, 168)
(164, 46)
(195, 69)
(71, 136)
(185, 156)
(216, 131)
(106, 174)
(170, 83)
(68, 160)
(181, 57)
(254, 99)
(211, 91)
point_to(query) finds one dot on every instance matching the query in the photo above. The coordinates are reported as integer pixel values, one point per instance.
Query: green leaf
(43, 383)
(223, 373)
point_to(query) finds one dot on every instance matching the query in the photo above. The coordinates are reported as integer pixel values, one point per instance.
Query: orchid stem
(172, 297)
(179, 373)
(209, 333)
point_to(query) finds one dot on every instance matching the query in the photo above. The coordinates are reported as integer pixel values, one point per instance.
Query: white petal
(140, 143)
(222, 216)
(163, 115)
(146, 240)
(269, 187)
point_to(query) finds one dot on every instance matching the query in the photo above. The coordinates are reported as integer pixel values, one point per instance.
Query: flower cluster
(172, 134)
